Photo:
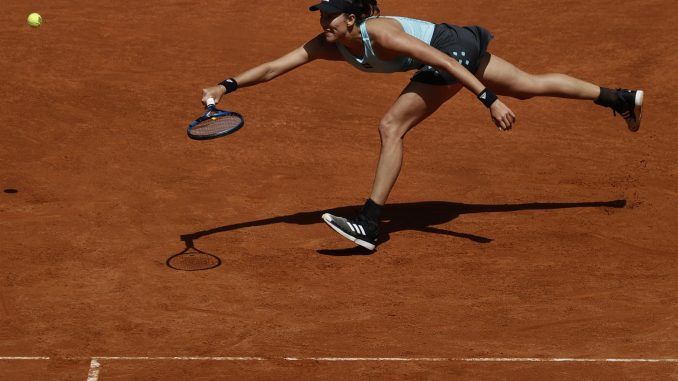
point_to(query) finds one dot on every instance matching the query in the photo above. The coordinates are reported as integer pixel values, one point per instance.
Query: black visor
(336, 6)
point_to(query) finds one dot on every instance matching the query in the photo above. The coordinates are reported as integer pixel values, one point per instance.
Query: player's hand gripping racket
(215, 123)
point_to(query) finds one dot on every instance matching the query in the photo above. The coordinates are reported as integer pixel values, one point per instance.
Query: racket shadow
(192, 259)
(419, 216)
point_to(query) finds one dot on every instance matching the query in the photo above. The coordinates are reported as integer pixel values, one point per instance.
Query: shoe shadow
(354, 251)
(418, 216)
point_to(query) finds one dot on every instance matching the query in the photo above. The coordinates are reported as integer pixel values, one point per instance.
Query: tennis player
(446, 58)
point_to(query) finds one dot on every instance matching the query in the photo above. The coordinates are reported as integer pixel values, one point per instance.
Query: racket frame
(213, 112)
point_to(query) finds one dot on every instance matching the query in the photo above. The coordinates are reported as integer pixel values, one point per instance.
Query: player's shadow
(418, 216)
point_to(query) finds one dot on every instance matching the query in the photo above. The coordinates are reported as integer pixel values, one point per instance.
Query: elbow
(269, 73)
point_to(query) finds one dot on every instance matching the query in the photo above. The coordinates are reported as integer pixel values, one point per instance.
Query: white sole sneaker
(637, 110)
(328, 220)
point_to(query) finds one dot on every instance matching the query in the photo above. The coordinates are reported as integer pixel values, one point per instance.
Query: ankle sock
(607, 97)
(372, 211)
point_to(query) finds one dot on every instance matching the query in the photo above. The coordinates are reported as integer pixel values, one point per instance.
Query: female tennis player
(446, 58)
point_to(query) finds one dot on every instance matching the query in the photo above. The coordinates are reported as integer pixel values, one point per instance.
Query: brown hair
(367, 8)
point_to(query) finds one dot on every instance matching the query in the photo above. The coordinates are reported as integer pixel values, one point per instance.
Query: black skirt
(465, 44)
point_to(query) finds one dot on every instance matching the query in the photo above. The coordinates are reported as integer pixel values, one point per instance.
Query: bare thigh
(504, 78)
(416, 102)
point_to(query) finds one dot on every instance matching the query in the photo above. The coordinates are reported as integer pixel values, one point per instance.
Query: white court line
(184, 358)
(537, 359)
(94, 367)
(479, 359)
(95, 361)
(393, 359)
(23, 358)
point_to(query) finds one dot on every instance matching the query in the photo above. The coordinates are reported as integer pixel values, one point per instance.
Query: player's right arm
(315, 49)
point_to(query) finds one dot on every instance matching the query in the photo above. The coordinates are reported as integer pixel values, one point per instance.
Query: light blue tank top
(422, 30)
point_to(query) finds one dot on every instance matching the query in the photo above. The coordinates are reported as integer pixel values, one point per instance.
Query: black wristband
(230, 84)
(487, 97)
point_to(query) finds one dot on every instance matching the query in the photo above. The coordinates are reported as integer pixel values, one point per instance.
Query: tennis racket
(215, 123)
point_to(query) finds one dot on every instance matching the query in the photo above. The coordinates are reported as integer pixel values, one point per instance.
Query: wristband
(487, 97)
(230, 84)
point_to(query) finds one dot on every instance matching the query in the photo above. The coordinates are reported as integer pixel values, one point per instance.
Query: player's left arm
(395, 40)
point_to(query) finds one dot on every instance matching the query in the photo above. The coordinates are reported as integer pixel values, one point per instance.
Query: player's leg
(416, 102)
(506, 79)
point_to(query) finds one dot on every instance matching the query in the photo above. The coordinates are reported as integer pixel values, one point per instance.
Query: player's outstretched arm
(317, 48)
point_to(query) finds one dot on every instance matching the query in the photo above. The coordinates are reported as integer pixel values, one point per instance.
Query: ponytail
(368, 8)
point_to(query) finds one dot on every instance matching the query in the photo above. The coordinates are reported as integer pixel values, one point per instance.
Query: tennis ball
(34, 20)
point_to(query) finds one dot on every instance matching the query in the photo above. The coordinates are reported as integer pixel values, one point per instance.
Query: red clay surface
(500, 245)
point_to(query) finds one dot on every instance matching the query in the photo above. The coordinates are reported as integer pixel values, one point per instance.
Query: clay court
(549, 252)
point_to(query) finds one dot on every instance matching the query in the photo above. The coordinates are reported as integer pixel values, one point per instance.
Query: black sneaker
(359, 229)
(630, 107)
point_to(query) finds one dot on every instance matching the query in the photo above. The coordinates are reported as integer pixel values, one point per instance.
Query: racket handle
(210, 102)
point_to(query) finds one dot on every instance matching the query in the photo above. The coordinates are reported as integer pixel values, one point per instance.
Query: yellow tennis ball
(34, 20)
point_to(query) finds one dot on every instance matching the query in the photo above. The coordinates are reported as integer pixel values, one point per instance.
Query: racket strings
(216, 125)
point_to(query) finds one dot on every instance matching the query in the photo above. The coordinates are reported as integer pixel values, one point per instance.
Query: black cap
(336, 6)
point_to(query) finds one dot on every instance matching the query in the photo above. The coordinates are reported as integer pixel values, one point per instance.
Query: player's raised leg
(506, 79)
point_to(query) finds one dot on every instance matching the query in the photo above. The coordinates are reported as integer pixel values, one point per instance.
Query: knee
(526, 87)
(390, 130)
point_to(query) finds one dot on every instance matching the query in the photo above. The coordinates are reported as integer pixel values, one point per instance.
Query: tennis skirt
(465, 44)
